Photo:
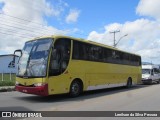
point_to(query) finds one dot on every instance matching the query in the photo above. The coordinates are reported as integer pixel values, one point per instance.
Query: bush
(7, 83)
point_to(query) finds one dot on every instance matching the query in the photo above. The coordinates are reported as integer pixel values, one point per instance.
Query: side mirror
(20, 51)
(152, 73)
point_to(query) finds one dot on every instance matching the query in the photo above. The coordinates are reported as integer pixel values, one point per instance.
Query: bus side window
(156, 71)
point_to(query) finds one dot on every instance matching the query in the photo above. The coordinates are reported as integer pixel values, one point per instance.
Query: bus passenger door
(59, 60)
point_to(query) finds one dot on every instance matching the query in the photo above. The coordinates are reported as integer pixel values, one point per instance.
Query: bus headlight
(17, 83)
(38, 84)
(147, 78)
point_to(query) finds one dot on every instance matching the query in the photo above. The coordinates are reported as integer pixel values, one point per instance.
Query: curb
(7, 88)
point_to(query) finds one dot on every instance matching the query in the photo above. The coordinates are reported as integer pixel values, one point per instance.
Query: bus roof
(83, 40)
(150, 66)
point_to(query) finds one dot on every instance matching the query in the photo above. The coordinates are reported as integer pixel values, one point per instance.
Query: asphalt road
(137, 98)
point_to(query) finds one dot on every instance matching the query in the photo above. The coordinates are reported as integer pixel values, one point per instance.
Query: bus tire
(75, 88)
(158, 82)
(129, 83)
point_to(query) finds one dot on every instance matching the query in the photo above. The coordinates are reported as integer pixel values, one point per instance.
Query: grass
(7, 83)
(6, 80)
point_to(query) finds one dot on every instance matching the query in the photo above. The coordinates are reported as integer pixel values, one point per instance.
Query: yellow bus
(61, 64)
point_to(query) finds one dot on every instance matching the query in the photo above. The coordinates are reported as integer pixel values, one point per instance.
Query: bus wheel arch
(129, 82)
(76, 87)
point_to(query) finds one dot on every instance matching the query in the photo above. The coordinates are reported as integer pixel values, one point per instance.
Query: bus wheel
(75, 88)
(129, 83)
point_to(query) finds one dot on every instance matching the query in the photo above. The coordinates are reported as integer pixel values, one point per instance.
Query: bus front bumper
(147, 81)
(38, 90)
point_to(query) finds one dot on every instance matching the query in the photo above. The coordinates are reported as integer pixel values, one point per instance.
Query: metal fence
(7, 76)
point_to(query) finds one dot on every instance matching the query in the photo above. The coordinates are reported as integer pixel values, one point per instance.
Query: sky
(22, 20)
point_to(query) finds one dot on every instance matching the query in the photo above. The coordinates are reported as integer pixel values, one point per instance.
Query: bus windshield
(146, 71)
(33, 62)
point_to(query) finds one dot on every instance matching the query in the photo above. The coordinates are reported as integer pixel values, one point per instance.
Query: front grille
(26, 85)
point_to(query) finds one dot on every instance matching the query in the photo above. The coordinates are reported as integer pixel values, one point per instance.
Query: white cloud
(15, 30)
(143, 34)
(149, 8)
(72, 16)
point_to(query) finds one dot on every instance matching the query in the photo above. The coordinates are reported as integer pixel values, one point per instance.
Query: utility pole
(114, 33)
(120, 39)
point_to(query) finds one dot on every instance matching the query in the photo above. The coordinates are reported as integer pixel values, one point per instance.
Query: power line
(21, 28)
(22, 24)
(27, 30)
(6, 30)
(14, 28)
(29, 5)
(12, 35)
(41, 27)
(31, 22)
(22, 19)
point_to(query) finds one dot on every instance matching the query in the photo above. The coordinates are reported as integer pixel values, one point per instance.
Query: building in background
(7, 65)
